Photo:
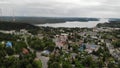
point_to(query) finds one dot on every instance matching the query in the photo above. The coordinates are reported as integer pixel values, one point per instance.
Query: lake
(89, 24)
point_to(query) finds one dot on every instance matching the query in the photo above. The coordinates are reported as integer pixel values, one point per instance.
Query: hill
(43, 20)
(111, 24)
(16, 26)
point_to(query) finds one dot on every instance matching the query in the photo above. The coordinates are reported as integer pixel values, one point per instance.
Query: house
(73, 55)
(60, 41)
(23, 31)
(9, 44)
(25, 51)
(3, 42)
(91, 47)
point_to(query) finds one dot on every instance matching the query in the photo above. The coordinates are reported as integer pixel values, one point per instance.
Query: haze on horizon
(61, 8)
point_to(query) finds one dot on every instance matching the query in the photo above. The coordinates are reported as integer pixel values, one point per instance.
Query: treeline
(43, 20)
(16, 26)
(6, 37)
(111, 24)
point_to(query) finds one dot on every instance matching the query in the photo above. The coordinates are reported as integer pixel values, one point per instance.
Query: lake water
(68, 24)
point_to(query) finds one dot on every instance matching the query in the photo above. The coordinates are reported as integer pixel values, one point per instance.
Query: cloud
(62, 8)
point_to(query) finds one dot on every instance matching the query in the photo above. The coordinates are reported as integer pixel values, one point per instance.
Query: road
(110, 47)
(112, 50)
(43, 59)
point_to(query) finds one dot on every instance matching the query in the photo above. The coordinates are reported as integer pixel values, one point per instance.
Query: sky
(61, 8)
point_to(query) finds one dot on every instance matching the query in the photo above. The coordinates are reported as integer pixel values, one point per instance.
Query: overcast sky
(61, 8)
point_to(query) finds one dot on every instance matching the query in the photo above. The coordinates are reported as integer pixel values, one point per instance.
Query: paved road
(110, 47)
(43, 59)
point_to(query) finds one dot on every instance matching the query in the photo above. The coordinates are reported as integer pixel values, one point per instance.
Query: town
(59, 33)
(60, 48)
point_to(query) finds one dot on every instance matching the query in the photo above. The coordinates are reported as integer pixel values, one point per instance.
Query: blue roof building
(82, 47)
(9, 44)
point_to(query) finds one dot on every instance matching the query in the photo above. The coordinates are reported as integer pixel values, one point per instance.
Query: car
(45, 53)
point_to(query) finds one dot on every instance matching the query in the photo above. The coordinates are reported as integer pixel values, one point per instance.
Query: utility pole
(13, 15)
(0, 14)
